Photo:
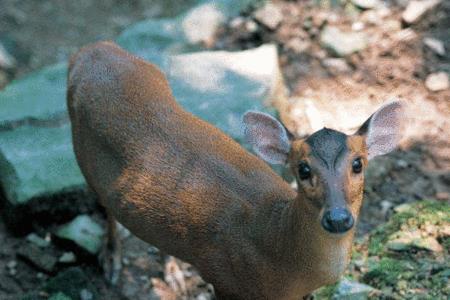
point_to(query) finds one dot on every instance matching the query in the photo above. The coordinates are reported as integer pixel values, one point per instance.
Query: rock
(405, 240)
(59, 296)
(366, 4)
(435, 45)
(336, 65)
(39, 96)
(342, 43)
(84, 231)
(437, 82)
(416, 9)
(37, 161)
(38, 257)
(7, 61)
(154, 39)
(67, 258)
(37, 240)
(71, 282)
(352, 290)
(269, 15)
(220, 86)
(298, 45)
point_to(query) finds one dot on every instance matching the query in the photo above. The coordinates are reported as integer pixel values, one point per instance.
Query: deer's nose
(337, 220)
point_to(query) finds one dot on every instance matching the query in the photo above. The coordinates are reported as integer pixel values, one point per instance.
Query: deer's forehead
(328, 147)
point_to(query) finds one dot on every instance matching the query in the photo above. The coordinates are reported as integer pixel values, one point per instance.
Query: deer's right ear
(267, 136)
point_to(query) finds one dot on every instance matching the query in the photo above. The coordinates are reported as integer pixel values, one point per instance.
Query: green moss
(411, 216)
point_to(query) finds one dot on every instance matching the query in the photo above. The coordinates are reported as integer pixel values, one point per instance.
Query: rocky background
(312, 63)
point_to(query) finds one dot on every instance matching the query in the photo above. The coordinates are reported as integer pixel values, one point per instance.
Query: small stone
(59, 296)
(298, 45)
(86, 295)
(37, 240)
(342, 43)
(12, 264)
(251, 26)
(336, 65)
(402, 208)
(437, 82)
(84, 231)
(435, 45)
(201, 22)
(366, 4)
(67, 258)
(416, 9)
(38, 257)
(6, 60)
(269, 15)
(237, 22)
(405, 240)
(357, 26)
(352, 290)
(40, 275)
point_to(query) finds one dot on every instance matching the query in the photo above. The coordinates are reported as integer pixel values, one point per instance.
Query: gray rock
(37, 240)
(352, 290)
(38, 96)
(342, 43)
(38, 257)
(67, 258)
(405, 240)
(220, 86)
(59, 296)
(435, 45)
(154, 39)
(269, 15)
(84, 231)
(37, 161)
(416, 9)
(437, 82)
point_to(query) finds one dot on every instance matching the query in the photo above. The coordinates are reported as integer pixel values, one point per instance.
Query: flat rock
(38, 257)
(405, 240)
(38, 96)
(342, 43)
(352, 290)
(154, 39)
(437, 82)
(416, 9)
(220, 86)
(84, 231)
(36, 162)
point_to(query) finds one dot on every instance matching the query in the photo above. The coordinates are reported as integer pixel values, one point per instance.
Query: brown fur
(184, 186)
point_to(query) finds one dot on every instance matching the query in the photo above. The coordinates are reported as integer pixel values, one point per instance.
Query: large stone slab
(220, 86)
(155, 39)
(36, 162)
(40, 95)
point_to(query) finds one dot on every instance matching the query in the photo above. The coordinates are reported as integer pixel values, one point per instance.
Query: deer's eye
(304, 171)
(357, 165)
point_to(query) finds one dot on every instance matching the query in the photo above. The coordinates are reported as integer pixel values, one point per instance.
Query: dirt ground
(395, 63)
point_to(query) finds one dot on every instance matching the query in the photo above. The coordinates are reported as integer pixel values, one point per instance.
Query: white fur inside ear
(267, 136)
(384, 129)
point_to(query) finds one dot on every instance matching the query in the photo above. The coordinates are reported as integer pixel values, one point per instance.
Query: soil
(395, 63)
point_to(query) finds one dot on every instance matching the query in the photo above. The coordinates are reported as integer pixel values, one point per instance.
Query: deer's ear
(267, 136)
(382, 130)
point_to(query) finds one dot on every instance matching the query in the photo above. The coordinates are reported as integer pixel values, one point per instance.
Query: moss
(412, 216)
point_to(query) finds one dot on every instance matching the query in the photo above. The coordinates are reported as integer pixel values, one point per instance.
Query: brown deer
(184, 186)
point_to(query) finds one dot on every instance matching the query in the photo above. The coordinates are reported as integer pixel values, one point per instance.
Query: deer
(184, 186)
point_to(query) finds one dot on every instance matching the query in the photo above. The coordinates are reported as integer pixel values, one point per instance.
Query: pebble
(298, 45)
(442, 196)
(416, 9)
(336, 65)
(67, 257)
(435, 45)
(366, 4)
(7, 61)
(269, 15)
(251, 26)
(437, 82)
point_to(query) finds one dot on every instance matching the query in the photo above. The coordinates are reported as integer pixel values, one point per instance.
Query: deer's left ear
(382, 130)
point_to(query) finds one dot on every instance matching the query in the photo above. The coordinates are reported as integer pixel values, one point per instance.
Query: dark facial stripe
(328, 146)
